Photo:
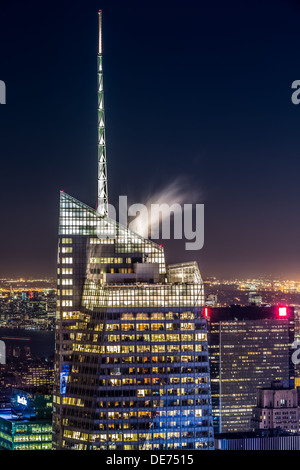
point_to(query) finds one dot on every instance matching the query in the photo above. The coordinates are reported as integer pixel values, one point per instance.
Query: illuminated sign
(22, 404)
(282, 311)
(22, 400)
(64, 379)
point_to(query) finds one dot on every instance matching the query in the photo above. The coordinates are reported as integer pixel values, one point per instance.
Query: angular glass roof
(76, 218)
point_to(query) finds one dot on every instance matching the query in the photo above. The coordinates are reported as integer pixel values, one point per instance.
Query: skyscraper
(131, 367)
(249, 347)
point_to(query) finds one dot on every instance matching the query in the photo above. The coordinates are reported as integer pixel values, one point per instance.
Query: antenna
(102, 207)
(100, 32)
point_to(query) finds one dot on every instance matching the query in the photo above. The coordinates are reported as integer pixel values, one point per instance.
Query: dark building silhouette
(249, 347)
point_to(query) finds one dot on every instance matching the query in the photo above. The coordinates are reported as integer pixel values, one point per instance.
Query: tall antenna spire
(102, 208)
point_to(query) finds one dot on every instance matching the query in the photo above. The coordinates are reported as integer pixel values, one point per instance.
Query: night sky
(194, 90)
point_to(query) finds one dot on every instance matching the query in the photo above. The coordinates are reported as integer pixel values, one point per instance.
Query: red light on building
(205, 311)
(282, 311)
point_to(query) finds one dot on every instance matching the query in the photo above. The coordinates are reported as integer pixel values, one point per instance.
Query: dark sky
(200, 90)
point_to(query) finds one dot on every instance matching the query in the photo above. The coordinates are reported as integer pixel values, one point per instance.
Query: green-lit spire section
(102, 169)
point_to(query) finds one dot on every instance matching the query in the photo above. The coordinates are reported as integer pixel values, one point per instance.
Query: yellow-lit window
(67, 249)
(67, 271)
(66, 241)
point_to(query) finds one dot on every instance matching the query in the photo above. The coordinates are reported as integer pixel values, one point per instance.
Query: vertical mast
(102, 208)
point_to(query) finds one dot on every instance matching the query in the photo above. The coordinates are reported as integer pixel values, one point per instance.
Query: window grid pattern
(136, 352)
(150, 374)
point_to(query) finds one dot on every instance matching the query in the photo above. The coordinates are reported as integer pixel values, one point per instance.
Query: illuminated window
(67, 271)
(66, 241)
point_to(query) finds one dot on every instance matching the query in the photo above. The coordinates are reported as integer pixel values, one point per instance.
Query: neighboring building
(37, 373)
(22, 371)
(27, 425)
(259, 440)
(277, 407)
(131, 367)
(249, 347)
(211, 300)
(255, 299)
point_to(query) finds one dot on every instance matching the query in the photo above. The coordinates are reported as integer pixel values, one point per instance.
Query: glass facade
(132, 368)
(23, 435)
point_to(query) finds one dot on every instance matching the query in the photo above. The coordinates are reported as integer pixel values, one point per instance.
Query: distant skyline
(193, 91)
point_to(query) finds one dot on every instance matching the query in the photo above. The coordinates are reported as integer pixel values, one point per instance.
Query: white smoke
(174, 196)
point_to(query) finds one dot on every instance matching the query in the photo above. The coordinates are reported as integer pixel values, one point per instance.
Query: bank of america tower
(131, 354)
